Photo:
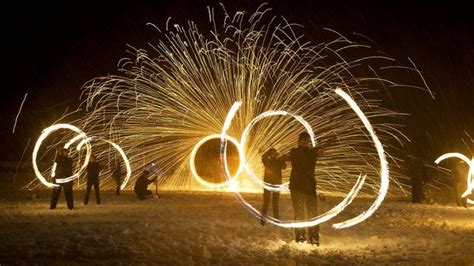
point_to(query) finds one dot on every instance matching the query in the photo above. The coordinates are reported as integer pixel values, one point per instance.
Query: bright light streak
(384, 171)
(233, 185)
(243, 141)
(344, 203)
(119, 150)
(161, 99)
(470, 173)
(85, 141)
(288, 224)
(19, 111)
(46, 132)
(192, 158)
(83, 167)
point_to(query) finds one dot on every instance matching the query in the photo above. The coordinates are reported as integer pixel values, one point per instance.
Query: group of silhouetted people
(302, 183)
(63, 177)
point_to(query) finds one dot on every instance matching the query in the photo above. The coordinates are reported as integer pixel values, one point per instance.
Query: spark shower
(168, 97)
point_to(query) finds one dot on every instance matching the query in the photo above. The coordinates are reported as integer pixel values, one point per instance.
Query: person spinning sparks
(303, 185)
(141, 185)
(63, 170)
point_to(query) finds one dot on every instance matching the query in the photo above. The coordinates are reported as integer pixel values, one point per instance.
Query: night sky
(50, 50)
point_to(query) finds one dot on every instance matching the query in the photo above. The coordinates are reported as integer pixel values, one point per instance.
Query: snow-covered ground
(211, 228)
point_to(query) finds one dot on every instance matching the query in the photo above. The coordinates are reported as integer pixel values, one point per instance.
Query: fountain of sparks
(166, 99)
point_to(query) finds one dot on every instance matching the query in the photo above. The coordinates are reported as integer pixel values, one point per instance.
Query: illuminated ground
(187, 228)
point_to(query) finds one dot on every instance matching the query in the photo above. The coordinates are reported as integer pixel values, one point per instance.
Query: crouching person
(141, 185)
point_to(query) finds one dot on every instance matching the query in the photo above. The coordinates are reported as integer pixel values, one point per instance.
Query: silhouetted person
(303, 185)
(418, 177)
(459, 173)
(141, 185)
(63, 170)
(93, 169)
(117, 176)
(272, 175)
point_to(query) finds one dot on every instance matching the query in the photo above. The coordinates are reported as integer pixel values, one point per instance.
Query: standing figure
(418, 177)
(93, 169)
(63, 170)
(303, 186)
(458, 173)
(417, 171)
(117, 176)
(141, 185)
(272, 175)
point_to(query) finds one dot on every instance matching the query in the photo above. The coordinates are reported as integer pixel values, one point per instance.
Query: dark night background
(50, 50)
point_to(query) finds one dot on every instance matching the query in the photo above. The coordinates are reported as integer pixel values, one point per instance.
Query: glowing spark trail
(19, 111)
(384, 174)
(67, 146)
(167, 98)
(287, 224)
(46, 132)
(243, 141)
(193, 156)
(119, 150)
(338, 208)
(470, 173)
(85, 141)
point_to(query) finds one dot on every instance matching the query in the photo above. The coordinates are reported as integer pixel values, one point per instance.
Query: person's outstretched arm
(322, 146)
(153, 180)
(285, 157)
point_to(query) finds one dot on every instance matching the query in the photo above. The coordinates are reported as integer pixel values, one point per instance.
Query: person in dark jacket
(117, 176)
(141, 185)
(303, 185)
(416, 170)
(93, 169)
(272, 175)
(63, 170)
(418, 177)
(458, 173)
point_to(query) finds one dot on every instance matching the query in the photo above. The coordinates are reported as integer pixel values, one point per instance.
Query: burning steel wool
(178, 93)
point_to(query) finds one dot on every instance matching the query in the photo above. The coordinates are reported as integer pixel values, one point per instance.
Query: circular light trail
(85, 141)
(339, 207)
(193, 157)
(384, 171)
(44, 134)
(119, 150)
(243, 140)
(470, 173)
